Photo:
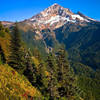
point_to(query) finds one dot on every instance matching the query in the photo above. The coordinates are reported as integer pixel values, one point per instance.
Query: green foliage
(52, 77)
(2, 56)
(7, 30)
(90, 86)
(88, 81)
(4, 41)
(2, 33)
(30, 68)
(46, 76)
(65, 77)
(82, 42)
(81, 69)
(2, 30)
(17, 54)
(29, 38)
(55, 78)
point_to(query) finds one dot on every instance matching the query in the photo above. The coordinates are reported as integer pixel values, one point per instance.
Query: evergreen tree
(2, 56)
(1, 26)
(52, 81)
(41, 81)
(65, 77)
(30, 68)
(17, 55)
(38, 70)
(40, 76)
(2, 30)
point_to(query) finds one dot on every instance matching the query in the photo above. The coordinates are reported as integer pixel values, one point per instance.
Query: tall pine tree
(30, 71)
(2, 56)
(52, 79)
(65, 77)
(2, 30)
(17, 56)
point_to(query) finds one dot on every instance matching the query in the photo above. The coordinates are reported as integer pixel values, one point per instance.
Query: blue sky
(17, 10)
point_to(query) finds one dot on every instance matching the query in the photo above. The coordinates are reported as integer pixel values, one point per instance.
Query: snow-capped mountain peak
(55, 16)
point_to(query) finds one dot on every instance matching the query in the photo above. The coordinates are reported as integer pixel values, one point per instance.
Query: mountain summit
(56, 16)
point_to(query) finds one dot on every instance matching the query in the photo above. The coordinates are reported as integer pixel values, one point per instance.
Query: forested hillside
(82, 43)
(45, 76)
(44, 69)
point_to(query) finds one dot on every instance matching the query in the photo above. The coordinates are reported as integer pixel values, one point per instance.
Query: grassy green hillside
(15, 86)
